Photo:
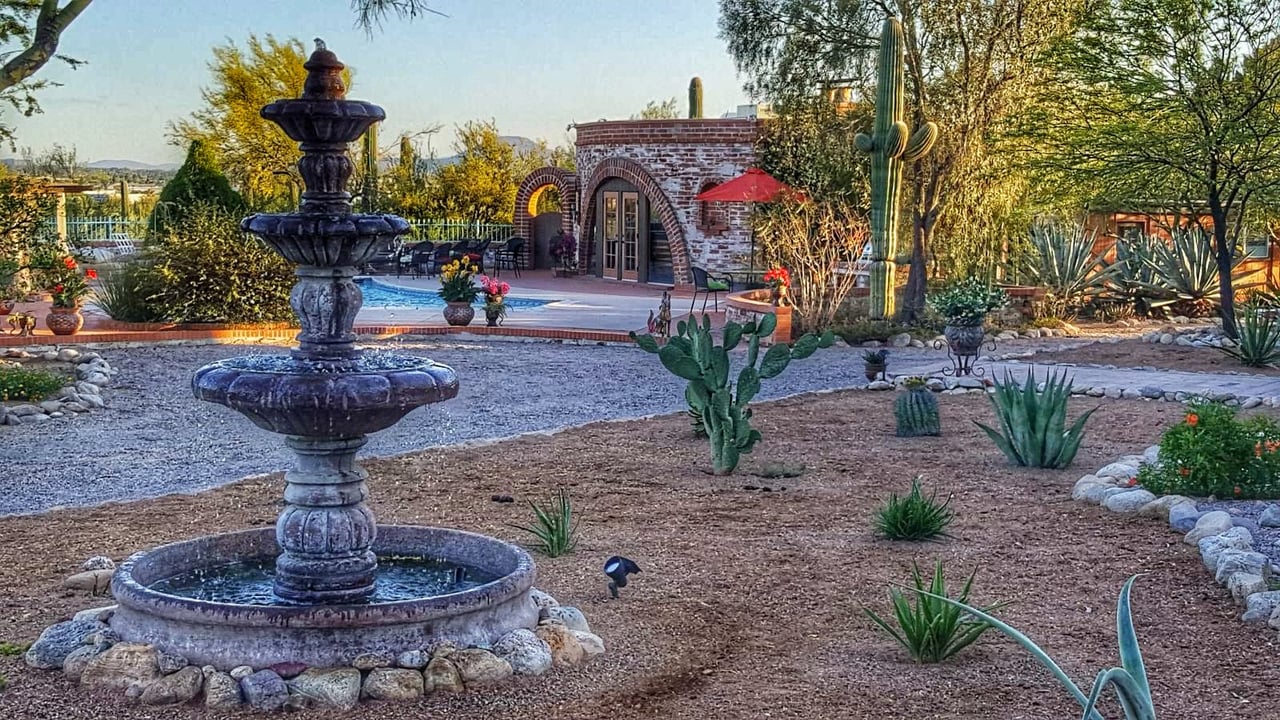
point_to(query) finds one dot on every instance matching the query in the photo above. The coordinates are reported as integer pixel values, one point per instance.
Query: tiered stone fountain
(327, 584)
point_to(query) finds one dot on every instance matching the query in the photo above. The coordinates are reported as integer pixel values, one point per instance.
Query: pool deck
(579, 309)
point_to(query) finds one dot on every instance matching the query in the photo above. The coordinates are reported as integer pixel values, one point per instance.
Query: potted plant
(458, 289)
(874, 362)
(779, 282)
(495, 307)
(965, 305)
(68, 287)
(564, 249)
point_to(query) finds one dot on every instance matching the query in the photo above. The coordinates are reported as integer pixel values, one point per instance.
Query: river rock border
(93, 374)
(1224, 542)
(87, 651)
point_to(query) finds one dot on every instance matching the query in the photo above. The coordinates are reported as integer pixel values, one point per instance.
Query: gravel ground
(1265, 540)
(156, 439)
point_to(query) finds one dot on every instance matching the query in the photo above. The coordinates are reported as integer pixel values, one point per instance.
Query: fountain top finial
(324, 75)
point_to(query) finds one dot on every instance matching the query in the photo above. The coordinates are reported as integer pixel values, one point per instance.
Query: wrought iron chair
(511, 255)
(709, 285)
(419, 258)
(442, 254)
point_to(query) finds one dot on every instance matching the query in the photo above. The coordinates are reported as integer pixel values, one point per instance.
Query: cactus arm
(921, 142)
(695, 98)
(896, 139)
(864, 143)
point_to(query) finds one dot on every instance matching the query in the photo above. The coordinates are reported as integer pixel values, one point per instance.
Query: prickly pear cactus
(692, 354)
(890, 145)
(695, 98)
(916, 413)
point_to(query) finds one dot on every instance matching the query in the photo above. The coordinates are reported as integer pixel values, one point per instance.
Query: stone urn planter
(459, 313)
(965, 338)
(64, 321)
(494, 311)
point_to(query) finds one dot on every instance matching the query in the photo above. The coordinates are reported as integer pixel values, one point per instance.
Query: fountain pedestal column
(326, 530)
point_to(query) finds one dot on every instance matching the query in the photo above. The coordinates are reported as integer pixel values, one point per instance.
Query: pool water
(381, 295)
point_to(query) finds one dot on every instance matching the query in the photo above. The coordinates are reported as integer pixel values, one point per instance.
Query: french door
(620, 228)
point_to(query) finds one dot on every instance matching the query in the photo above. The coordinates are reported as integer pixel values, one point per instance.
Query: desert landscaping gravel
(155, 438)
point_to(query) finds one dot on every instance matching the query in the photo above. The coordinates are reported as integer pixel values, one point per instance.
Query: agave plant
(1129, 680)
(1130, 276)
(554, 529)
(1033, 430)
(1186, 274)
(932, 631)
(1258, 335)
(1065, 264)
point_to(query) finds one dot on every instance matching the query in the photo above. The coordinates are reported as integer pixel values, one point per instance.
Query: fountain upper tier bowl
(228, 634)
(294, 396)
(326, 240)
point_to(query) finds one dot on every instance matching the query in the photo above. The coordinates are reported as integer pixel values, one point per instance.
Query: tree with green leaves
(1174, 104)
(665, 110)
(198, 182)
(810, 146)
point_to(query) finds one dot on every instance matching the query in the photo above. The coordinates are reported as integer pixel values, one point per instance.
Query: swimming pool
(381, 295)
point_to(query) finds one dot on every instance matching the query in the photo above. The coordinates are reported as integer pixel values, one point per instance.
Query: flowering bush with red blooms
(1213, 452)
(778, 277)
(66, 283)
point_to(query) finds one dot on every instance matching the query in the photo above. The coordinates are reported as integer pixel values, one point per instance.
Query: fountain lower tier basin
(291, 396)
(326, 240)
(227, 635)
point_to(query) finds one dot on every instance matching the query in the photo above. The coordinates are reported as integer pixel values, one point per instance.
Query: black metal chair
(709, 284)
(419, 258)
(511, 255)
(440, 256)
(387, 260)
(478, 250)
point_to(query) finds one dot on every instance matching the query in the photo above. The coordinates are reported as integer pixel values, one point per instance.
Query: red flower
(1133, 481)
(1237, 491)
(69, 262)
(58, 288)
(1192, 419)
(91, 274)
(1184, 471)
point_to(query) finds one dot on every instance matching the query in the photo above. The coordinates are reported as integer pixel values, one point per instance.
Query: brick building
(631, 203)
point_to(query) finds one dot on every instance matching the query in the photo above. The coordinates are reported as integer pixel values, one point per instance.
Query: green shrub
(932, 629)
(1033, 430)
(554, 527)
(23, 385)
(1129, 680)
(914, 517)
(125, 294)
(968, 300)
(863, 330)
(1212, 452)
(206, 270)
(199, 182)
(1257, 335)
(8, 649)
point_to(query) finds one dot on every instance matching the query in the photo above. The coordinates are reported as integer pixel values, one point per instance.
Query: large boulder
(221, 691)
(526, 652)
(393, 684)
(572, 617)
(176, 689)
(1242, 585)
(122, 666)
(323, 689)
(1260, 606)
(57, 641)
(480, 667)
(565, 647)
(1211, 523)
(592, 645)
(265, 690)
(442, 675)
(1212, 547)
(73, 667)
(1129, 501)
(1241, 561)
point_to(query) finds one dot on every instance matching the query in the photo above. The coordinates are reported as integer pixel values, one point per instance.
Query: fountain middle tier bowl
(292, 396)
(225, 634)
(326, 240)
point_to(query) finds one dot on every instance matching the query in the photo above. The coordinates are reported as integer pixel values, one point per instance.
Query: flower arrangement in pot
(68, 286)
(458, 289)
(874, 363)
(779, 282)
(495, 306)
(564, 249)
(965, 304)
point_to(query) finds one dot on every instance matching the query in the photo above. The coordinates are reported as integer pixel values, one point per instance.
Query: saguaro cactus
(890, 145)
(695, 98)
(369, 148)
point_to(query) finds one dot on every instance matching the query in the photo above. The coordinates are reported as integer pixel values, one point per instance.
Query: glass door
(630, 222)
(612, 235)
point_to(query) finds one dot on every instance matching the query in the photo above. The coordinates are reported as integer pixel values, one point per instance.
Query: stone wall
(672, 161)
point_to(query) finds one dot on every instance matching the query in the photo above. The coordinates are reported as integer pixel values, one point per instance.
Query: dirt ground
(750, 603)
(1135, 353)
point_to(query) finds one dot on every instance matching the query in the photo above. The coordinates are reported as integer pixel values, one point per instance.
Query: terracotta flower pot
(64, 321)
(459, 313)
(873, 370)
(6, 306)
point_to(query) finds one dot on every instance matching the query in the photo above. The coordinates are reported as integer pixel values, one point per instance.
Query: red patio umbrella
(754, 185)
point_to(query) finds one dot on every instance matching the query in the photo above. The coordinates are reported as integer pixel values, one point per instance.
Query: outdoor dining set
(425, 258)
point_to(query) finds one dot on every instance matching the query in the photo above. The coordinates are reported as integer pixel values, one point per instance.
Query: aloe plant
(1033, 430)
(1258, 335)
(1065, 264)
(932, 631)
(1129, 680)
(554, 527)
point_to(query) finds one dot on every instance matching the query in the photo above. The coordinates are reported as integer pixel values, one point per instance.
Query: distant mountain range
(130, 165)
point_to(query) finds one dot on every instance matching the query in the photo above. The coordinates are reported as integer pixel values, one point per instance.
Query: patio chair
(385, 261)
(122, 244)
(709, 284)
(419, 257)
(511, 255)
(442, 254)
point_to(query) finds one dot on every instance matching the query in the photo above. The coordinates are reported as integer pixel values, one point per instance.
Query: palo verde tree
(1174, 103)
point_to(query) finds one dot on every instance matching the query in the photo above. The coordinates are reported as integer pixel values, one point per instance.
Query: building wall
(681, 157)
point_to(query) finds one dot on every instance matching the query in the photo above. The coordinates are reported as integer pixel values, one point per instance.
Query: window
(710, 217)
(1130, 230)
(1257, 246)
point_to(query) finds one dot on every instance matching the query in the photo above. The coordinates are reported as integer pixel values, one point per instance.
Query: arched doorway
(538, 227)
(629, 230)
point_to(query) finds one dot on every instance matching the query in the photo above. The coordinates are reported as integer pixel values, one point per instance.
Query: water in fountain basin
(399, 578)
(369, 362)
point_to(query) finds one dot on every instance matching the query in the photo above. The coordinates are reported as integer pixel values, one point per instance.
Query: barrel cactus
(692, 354)
(695, 98)
(916, 410)
(890, 145)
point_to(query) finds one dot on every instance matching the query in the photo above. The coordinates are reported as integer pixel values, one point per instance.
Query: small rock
(572, 617)
(96, 613)
(442, 648)
(78, 660)
(442, 675)
(1231, 562)
(1099, 492)
(1151, 392)
(370, 661)
(94, 582)
(1270, 517)
(1183, 517)
(176, 689)
(68, 354)
(592, 645)
(220, 689)
(413, 659)
(1096, 392)
(525, 651)
(1260, 606)
(1242, 585)
(1213, 547)
(479, 667)
(1128, 501)
(1121, 471)
(543, 600)
(1166, 339)
(332, 688)
(900, 340)
(1250, 403)
(288, 670)
(102, 639)
(121, 666)
(171, 663)
(1112, 393)
(241, 672)
(265, 691)
(98, 562)
(1211, 523)
(58, 641)
(99, 379)
(565, 648)
(1161, 506)
(935, 385)
(880, 385)
(393, 684)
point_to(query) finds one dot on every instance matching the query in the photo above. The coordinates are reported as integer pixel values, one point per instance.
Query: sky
(533, 66)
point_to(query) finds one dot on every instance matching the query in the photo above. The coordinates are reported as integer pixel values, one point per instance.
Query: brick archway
(565, 182)
(634, 173)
